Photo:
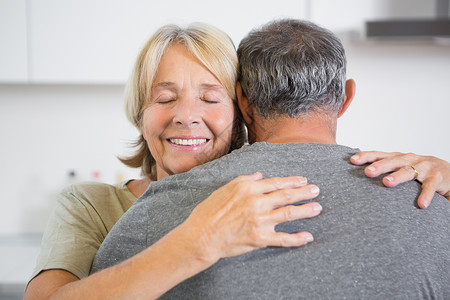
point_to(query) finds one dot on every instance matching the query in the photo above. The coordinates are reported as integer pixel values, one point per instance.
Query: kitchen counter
(18, 255)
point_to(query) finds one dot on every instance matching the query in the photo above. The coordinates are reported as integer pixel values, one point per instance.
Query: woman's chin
(187, 167)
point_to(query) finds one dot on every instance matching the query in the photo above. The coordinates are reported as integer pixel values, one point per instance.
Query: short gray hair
(292, 67)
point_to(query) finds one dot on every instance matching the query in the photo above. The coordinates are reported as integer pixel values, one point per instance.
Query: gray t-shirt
(370, 241)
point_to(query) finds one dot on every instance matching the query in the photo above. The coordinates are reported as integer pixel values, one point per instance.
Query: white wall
(46, 130)
(49, 130)
(402, 98)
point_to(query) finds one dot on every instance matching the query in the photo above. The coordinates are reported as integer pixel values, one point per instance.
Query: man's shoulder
(268, 158)
(263, 155)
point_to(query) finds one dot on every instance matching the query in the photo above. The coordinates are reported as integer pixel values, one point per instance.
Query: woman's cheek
(223, 119)
(154, 121)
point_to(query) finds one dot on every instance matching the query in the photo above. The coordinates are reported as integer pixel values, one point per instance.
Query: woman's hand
(432, 172)
(241, 216)
(237, 218)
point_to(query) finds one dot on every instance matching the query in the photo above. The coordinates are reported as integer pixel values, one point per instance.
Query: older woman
(181, 98)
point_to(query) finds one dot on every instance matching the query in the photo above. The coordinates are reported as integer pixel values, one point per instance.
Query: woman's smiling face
(189, 118)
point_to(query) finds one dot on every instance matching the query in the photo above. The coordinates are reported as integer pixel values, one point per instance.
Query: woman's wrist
(194, 244)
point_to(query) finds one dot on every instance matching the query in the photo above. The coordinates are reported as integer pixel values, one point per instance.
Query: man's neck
(317, 128)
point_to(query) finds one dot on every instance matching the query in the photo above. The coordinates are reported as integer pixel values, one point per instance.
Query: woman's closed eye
(210, 98)
(210, 101)
(165, 99)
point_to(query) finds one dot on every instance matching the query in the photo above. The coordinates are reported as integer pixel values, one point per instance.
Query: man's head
(291, 68)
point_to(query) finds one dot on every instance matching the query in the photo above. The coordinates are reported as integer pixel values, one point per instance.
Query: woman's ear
(141, 129)
(244, 105)
(350, 89)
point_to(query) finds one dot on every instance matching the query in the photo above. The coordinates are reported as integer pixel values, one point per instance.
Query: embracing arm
(147, 275)
(432, 172)
(237, 218)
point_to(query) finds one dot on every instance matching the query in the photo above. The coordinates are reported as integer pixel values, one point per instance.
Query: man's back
(370, 241)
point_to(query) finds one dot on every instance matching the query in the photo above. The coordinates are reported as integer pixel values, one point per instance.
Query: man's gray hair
(292, 67)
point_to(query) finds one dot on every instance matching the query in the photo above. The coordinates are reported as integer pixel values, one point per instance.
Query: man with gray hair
(370, 242)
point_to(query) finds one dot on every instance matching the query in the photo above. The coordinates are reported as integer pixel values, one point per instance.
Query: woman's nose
(188, 113)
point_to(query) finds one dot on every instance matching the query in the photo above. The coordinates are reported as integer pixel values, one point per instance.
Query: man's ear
(350, 89)
(244, 105)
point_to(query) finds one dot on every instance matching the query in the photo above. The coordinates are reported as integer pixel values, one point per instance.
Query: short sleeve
(72, 237)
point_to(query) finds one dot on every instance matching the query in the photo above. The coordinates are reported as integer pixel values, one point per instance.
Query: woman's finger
(365, 157)
(402, 175)
(251, 177)
(292, 212)
(429, 187)
(390, 164)
(285, 197)
(278, 183)
(282, 239)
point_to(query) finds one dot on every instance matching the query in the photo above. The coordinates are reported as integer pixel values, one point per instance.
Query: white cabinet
(346, 16)
(13, 41)
(96, 41)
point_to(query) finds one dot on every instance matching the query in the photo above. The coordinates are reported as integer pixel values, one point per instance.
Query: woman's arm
(237, 218)
(432, 172)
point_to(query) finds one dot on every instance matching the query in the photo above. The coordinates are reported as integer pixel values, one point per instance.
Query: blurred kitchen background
(64, 64)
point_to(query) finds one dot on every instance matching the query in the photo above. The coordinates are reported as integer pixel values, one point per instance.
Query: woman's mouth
(188, 142)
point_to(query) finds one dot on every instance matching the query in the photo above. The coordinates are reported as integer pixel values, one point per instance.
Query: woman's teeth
(188, 142)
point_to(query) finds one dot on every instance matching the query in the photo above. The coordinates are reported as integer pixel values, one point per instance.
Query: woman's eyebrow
(211, 86)
(169, 84)
(164, 84)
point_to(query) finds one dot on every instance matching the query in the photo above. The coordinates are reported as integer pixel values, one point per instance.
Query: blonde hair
(212, 47)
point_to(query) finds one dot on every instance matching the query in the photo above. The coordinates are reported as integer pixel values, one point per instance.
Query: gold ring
(416, 174)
